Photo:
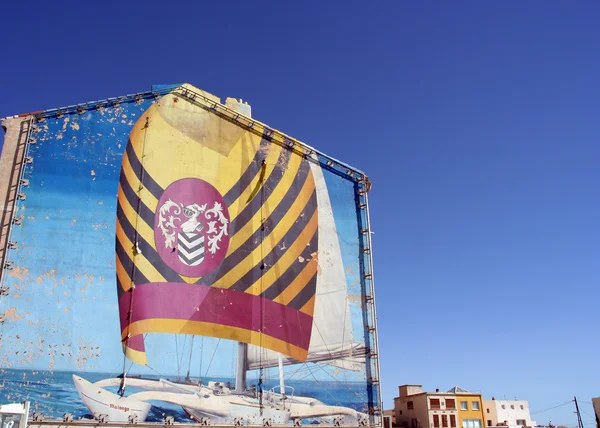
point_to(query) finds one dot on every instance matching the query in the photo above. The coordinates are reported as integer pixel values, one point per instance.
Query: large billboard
(170, 256)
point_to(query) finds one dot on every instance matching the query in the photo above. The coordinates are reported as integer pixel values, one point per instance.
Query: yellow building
(470, 408)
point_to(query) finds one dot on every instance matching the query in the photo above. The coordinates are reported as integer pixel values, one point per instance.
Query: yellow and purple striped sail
(217, 233)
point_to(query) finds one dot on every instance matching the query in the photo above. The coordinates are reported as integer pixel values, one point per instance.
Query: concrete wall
(472, 413)
(419, 413)
(508, 411)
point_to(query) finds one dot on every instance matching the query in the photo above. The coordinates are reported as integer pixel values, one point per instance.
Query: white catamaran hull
(202, 402)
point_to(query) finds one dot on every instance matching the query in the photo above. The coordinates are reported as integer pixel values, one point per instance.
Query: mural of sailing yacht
(223, 232)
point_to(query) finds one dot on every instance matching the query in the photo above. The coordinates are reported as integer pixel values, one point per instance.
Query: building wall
(473, 411)
(509, 412)
(490, 413)
(446, 409)
(424, 412)
(417, 417)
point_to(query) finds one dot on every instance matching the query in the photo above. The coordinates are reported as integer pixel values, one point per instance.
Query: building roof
(459, 390)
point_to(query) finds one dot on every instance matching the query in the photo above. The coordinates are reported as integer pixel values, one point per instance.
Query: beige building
(512, 413)
(414, 408)
(596, 404)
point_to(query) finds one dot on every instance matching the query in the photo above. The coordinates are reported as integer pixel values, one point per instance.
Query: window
(464, 405)
(487, 410)
(471, 423)
(522, 407)
(436, 421)
(503, 406)
(450, 403)
(475, 405)
(489, 423)
(445, 421)
(409, 405)
(521, 422)
(414, 423)
(400, 411)
(453, 421)
(434, 403)
(512, 406)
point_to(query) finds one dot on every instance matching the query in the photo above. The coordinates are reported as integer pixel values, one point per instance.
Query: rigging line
(183, 351)
(201, 354)
(331, 376)
(157, 372)
(344, 331)
(554, 407)
(177, 356)
(190, 361)
(211, 358)
(324, 389)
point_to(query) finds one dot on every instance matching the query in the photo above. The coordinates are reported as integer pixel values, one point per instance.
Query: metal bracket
(338, 421)
(169, 420)
(18, 220)
(37, 417)
(68, 417)
(9, 265)
(2, 319)
(133, 419)
(24, 182)
(297, 422)
(267, 422)
(28, 159)
(4, 290)
(80, 110)
(21, 196)
(60, 114)
(32, 141)
(103, 419)
(12, 245)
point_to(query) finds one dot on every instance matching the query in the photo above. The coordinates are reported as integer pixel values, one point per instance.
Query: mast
(187, 377)
(281, 381)
(242, 365)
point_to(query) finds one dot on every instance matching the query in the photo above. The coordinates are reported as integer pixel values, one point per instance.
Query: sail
(217, 232)
(332, 337)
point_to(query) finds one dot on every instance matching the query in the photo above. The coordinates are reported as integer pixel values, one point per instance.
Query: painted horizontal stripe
(305, 294)
(147, 269)
(146, 249)
(180, 301)
(132, 271)
(237, 334)
(141, 173)
(294, 242)
(140, 207)
(296, 276)
(256, 239)
(142, 192)
(250, 173)
(267, 188)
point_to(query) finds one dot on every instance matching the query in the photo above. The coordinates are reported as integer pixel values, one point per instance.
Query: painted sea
(53, 393)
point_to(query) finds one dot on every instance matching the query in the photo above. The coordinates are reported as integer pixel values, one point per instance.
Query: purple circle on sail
(191, 227)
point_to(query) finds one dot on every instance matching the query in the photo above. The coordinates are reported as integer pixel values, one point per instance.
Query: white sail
(332, 335)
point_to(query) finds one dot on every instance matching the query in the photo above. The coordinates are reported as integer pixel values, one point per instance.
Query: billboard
(170, 256)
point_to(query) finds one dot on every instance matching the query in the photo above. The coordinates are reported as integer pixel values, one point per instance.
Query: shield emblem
(190, 248)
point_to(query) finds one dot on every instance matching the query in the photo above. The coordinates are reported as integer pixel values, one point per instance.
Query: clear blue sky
(478, 123)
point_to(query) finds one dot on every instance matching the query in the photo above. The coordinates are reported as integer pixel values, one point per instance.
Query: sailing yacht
(206, 228)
